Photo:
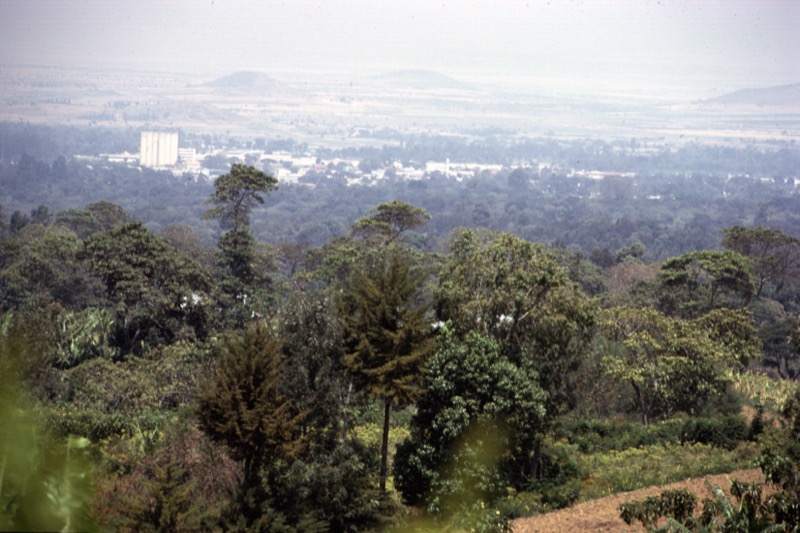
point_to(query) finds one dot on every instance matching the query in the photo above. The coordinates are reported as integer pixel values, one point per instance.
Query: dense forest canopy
(677, 200)
(246, 354)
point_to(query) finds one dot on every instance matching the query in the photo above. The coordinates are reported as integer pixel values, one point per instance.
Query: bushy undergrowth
(749, 508)
(100, 426)
(370, 436)
(592, 436)
(596, 458)
(617, 471)
(559, 484)
(600, 474)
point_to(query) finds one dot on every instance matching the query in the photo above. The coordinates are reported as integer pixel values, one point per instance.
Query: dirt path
(602, 515)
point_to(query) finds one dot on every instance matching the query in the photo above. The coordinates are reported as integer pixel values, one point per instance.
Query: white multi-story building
(158, 149)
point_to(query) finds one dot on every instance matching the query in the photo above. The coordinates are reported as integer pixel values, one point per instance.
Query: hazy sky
(638, 44)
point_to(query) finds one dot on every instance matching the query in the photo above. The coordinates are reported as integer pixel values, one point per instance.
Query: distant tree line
(671, 206)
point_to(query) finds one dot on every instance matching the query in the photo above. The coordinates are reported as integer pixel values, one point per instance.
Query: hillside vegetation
(405, 374)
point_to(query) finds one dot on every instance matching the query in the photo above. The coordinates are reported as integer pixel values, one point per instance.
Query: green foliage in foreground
(749, 509)
(635, 468)
(45, 480)
(473, 433)
(45, 483)
(571, 475)
(678, 504)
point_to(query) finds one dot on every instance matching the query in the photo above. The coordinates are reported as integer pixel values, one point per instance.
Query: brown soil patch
(602, 515)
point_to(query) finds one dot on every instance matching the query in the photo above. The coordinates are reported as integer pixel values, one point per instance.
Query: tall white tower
(158, 149)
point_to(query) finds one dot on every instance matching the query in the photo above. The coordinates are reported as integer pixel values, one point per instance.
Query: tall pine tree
(242, 407)
(235, 195)
(389, 339)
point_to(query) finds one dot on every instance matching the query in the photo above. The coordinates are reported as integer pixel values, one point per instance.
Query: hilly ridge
(782, 95)
(249, 81)
(421, 79)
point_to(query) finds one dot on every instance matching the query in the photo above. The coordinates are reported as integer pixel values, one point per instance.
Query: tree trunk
(387, 404)
(345, 413)
(536, 463)
(644, 408)
(781, 362)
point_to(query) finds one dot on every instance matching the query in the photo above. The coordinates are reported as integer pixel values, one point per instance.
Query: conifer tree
(242, 407)
(389, 339)
(389, 220)
(235, 195)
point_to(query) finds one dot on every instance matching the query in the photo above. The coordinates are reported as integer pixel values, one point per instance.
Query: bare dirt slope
(602, 515)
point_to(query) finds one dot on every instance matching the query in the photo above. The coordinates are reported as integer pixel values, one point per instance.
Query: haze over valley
(369, 265)
(335, 111)
(304, 69)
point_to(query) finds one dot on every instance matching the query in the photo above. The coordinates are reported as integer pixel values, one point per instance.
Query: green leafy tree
(161, 295)
(390, 220)
(631, 254)
(781, 340)
(95, 217)
(789, 363)
(44, 263)
(17, 222)
(366, 248)
(315, 376)
(775, 255)
(41, 215)
(81, 221)
(665, 360)
(735, 331)
(188, 241)
(34, 334)
(515, 292)
(335, 261)
(475, 428)
(389, 339)
(696, 282)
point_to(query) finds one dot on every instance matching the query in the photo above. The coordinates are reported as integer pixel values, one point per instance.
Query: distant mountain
(249, 81)
(420, 79)
(783, 95)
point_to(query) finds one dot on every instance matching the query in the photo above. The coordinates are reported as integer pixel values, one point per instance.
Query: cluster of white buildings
(160, 150)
